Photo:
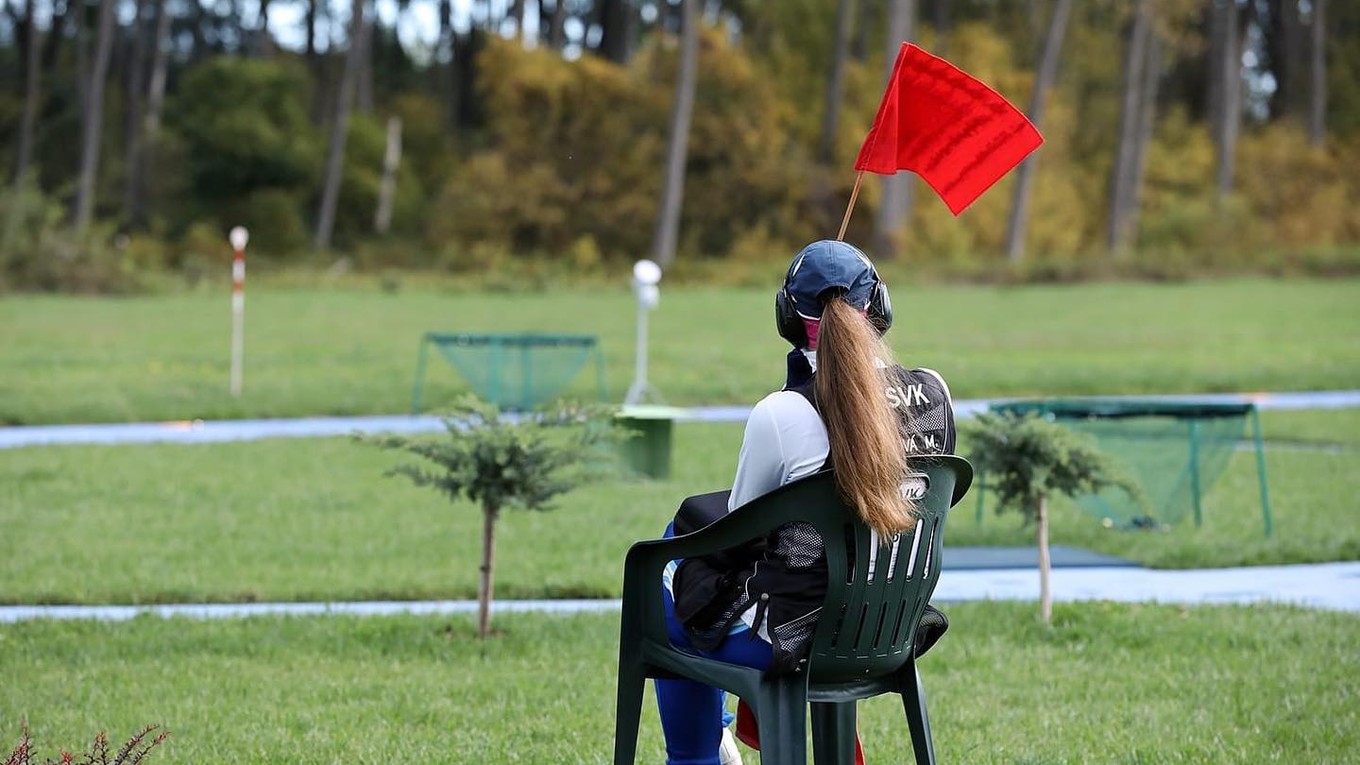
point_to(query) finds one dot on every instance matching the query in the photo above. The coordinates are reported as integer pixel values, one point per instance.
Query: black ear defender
(787, 320)
(790, 324)
(880, 306)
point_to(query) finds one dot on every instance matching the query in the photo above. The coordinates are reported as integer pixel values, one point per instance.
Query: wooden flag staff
(854, 194)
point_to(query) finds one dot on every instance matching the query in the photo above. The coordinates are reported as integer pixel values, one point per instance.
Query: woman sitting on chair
(844, 403)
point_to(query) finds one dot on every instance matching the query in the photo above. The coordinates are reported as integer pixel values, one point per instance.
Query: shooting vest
(783, 574)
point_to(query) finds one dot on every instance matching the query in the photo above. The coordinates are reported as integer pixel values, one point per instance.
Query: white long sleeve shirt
(785, 440)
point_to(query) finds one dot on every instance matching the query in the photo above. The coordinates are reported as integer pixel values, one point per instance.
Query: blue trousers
(693, 715)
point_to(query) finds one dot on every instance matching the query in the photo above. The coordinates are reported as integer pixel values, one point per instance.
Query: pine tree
(1028, 459)
(500, 462)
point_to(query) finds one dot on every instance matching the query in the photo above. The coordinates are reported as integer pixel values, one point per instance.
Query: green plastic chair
(863, 642)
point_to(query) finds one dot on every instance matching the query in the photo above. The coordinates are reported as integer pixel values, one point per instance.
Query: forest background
(535, 141)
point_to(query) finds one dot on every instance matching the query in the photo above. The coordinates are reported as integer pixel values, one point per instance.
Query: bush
(1305, 196)
(502, 463)
(245, 130)
(273, 217)
(38, 252)
(134, 751)
(577, 148)
(1026, 459)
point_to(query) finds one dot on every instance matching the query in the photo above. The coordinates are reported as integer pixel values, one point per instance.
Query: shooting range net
(516, 372)
(1175, 450)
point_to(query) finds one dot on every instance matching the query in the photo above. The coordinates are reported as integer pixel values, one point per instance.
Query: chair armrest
(754, 519)
(646, 559)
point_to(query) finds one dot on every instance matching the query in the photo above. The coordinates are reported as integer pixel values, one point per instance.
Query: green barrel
(648, 451)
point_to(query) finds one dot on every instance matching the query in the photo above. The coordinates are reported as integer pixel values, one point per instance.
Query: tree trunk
(264, 41)
(517, 13)
(387, 189)
(488, 569)
(1317, 92)
(462, 90)
(1213, 79)
(897, 189)
(32, 97)
(335, 154)
(363, 94)
(81, 33)
(557, 35)
(632, 29)
(1147, 118)
(316, 66)
(56, 34)
(197, 18)
(1119, 228)
(859, 48)
(943, 23)
(1291, 49)
(133, 119)
(236, 18)
(1043, 82)
(93, 112)
(32, 63)
(1228, 117)
(1045, 564)
(617, 25)
(309, 23)
(835, 81)
(155, 105)
(677, 144)
(448, 73)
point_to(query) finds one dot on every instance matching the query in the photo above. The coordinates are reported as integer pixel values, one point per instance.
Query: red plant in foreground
(131, 753)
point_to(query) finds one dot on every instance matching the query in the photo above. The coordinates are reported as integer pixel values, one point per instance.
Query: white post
(238, 236)
(646, 274)
(387, 187)
(640, 357)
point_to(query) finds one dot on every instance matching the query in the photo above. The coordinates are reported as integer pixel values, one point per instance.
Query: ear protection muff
(880, 307)
(790, 324)
(787, 320)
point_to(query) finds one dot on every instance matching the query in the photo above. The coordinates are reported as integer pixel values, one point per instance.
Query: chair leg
(914, 701)
(833, 733)
(781, 711)
(628, 712)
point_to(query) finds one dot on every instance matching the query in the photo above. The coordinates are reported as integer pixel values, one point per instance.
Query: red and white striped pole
(238, 236)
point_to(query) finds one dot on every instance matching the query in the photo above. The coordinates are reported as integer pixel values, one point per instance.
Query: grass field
(165, 357)
(314, 519)
(1108, 684)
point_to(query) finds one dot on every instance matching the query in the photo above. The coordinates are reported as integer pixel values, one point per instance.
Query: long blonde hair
(867, 445)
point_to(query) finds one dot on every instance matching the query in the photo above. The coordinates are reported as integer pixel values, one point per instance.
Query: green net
(1175, 450)
(515, 372)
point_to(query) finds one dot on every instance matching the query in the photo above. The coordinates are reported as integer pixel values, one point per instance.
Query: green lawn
(1108, 684)
(314, 519)
(311, 352)
(1313, 427)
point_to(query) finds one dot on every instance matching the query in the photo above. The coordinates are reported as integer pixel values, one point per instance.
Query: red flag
(947, 127)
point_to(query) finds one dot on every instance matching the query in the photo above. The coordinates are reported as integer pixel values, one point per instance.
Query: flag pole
(854, 194)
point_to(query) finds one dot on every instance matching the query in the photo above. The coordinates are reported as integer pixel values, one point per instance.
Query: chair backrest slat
(915, 547)
(930, 546)
(894, 546)
(877, 588)
(899, 622)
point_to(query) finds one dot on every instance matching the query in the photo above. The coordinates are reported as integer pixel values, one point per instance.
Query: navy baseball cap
(829, 265)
